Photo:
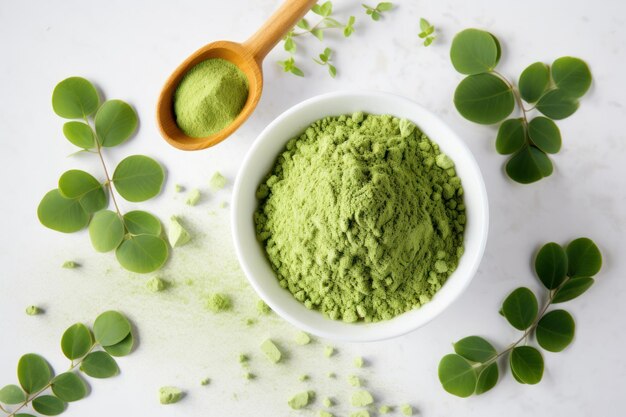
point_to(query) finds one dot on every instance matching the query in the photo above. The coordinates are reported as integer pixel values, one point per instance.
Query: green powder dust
(219, 302)
(362, 217)
(301, 400)
(209, 97)
(170, 395)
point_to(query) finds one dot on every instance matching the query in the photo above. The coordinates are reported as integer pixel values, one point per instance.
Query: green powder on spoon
(209, 97)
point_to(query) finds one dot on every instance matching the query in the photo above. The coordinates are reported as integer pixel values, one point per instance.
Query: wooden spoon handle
(273, 30)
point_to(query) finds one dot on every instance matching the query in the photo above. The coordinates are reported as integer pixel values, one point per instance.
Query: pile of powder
(209, 97)
(362, 217)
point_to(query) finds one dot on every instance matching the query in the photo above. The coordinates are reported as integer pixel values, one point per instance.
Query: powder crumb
(156, 284)
(443, 161)
(170, 395)
(249, 375)
(223, 204)
(325, 414)
(360, 413)
(70, 265)
(205, 381)
(243, 359)
(384, 409)
(177, 234)
(354, 380)
(302, 338)
(179, 188)
(301, 400)
(331, 375)
(262, 307)
(217, 181)
(358, 362)
(33, 310)
(271, 351)
(219, 302)
(193, 197)
(406, 409)
(328, 402)
(303, 378)
(361, 398)
(329, 351)
(250, 321)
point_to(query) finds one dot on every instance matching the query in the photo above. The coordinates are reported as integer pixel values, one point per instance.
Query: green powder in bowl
(362, 217)
(209, 97)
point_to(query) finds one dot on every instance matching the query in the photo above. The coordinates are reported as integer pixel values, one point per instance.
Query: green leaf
(384, 6)
(375, 15)
(332, 70)
(326, 8)
(487, 379)
(77, 184)
(111, 327)
(329, 22)
(290, 45)
(99, 365)
(142, 254)
(572, 289)
(585, 259)
(106, 231)
(555, 330)
(557, 104)
(296, 71)
(545, 134)
(318, 33)
(457, 375)
(79, 134)
(424, 25)
(551, 265)
(534, 81)
(138, 178)
(475, 349)
(139, 222)
(349, 29)
(69, 387)
(484, 98)
(75, 98)
(62, 214)
(528, 165)
(48, 405)
(527, 364)
(474, 51)
(520, 308)
(24, 415)
(33, 372)
(115, 121)
(12, 394)
(511, 136)
(122, 348)
(303, 24)
(429, 40)
(571, 75)
(76, 341)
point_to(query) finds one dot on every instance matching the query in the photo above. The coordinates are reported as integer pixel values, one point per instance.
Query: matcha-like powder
(362, 217)
(210, 96)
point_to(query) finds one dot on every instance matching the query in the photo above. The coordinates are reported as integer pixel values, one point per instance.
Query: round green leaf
(511, 136)
(115, 121)
(74, 98)
(62, 214)
(571, 75)
(142, 223)
(48, 405)
(484, 98)
(551, 265)
(520, 308)
(585, 259)
(528, 165)
(457, 375)
(545, 134)
(138, 178)
(534, 81)
(77, 184)
(526, 364)
(142, 253)
(572, 289)
(122, 348)
(110, 327)
(475, 349)
(555, 330)
(99, 365)
(24, 415)
(76, 341)
(69, 387)
(557, 104)
(12, 394)
(487, 379)
(33, 372)
(79, 134)
(106, 231)
(474, 51)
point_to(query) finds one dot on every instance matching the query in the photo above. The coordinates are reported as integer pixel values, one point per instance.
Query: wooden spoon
(248, 56)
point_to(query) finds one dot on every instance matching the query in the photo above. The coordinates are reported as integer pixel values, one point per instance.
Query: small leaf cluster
(427, 32)
(91, 352)
(81, 200)
(487, 97)
(566, 273)
(376, 12)
(325, 58)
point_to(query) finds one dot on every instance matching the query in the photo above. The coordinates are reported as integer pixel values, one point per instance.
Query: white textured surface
(128, 48)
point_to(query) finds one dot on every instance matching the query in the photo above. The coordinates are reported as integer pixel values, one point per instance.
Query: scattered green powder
(263, 307)
(205, 381)
(177, 234)
(217, 181)
(328, 402)
(179, 188)
(384, 409)
(354, 214)
(325, 414)
(358, 362)
(331, 375)
(406, 409)
(170, 395)
(249, 375)
(302, 338)
(361, 398)
(271, 351)
(156, 284)
(303, 378)
(354, 380)
(243, 359)
(209, 97)
(360, 413)
(70, 265)
(301, 400)
(250, 321)
(193, 197)
(329, 351)
(219, 302)
(33, 310)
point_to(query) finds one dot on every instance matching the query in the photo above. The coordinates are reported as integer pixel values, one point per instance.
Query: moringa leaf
(110, 328)
(551, 265)
(106, 231)
(139, 222)
(33, 372)
(573, 288)
(77, 184)
(79, 134)
(475, 349)
(122, 348)
(526, 364)
(555, 330)
(585, 259)
(115, 122)
(545, 134)
(48, 405)
(487, 379)
(99, 365)
(76, 341)
(457, 375)
(571, 75)
(12, 394)
(511, 136)
(520, 308)
(557, 104)
(69, 387)
(142, 253)
(138, 178)
(534, 81)
(484, 99)
(75, 98)
(62, 214)
(474, 51)
(528, 165)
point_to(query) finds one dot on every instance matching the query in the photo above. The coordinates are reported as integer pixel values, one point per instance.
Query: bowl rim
(250, 156)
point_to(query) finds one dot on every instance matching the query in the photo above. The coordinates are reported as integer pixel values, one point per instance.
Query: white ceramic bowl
(260, 160)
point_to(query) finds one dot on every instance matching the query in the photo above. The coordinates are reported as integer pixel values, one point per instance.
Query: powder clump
(362, 217)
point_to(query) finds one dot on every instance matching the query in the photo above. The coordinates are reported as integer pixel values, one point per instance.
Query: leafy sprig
(376, 12)
(81, 200)
(90, 352)
(289, 65)
(485, 96)
(566, 273)
(427, 32)
(325, 58)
